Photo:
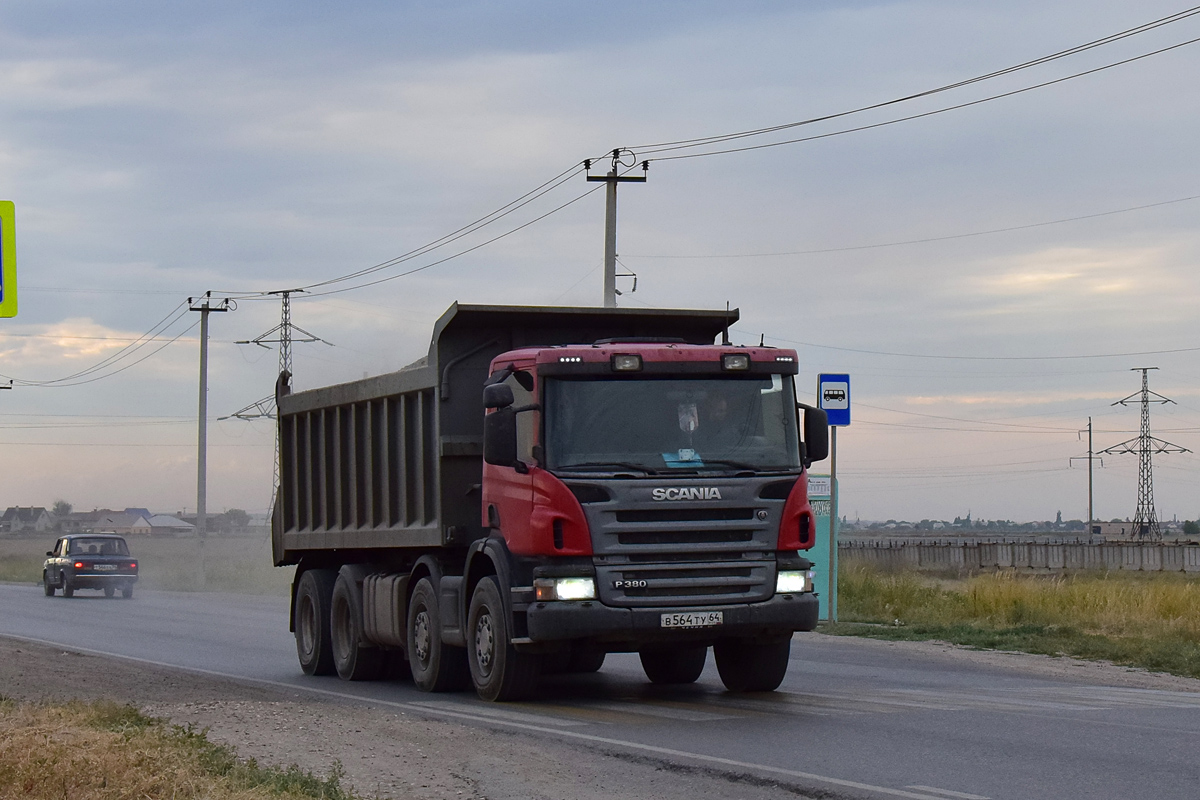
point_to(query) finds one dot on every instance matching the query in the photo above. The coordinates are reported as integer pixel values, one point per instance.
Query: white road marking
(498, 713)
(651, 710)
(948, 793)
(471, 715)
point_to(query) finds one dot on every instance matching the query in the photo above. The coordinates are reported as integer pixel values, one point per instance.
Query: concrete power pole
(1091, 457)
(205, 307)
(610, 219)
(1145, 521)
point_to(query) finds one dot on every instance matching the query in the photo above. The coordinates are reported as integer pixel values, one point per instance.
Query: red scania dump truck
(547, 486)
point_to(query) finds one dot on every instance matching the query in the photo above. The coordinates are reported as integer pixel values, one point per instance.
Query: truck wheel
(436, 667)
(498, 670)
(313, 647)
(68, 589)
(583, 660)
(681, 665)
(354, 660)
(47, 585)
(749, 666)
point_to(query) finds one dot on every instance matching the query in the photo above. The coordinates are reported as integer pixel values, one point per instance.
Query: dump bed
(396, 461)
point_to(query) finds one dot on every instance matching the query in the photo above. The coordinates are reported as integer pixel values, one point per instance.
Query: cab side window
(526, 420)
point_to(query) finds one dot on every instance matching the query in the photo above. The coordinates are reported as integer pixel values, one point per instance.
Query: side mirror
(497, 395)
(816, 433)
(500, 434)
(49, 552)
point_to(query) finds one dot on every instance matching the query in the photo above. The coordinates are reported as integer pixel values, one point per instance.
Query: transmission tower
(266, 407)
(1145, 521)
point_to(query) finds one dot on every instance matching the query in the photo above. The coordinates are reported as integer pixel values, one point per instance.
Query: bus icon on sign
(834, 395)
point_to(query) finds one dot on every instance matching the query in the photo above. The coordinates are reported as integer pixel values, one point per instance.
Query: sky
(989, 276)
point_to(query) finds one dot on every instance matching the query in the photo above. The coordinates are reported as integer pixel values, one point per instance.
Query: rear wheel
(127, 591)
(436, 667)
(109, 591)
(47, 585)
(499, 671)
(68, 589)
(750, 666)
(680, 665)
(313, 647)
(354, 660)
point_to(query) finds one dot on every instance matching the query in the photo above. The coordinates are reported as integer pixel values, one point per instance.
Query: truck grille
(686, 584)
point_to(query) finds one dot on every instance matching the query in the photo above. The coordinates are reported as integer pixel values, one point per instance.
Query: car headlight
(793, 581)
(564, 588)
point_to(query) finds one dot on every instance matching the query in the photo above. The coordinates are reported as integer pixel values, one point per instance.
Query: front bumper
(590, 620)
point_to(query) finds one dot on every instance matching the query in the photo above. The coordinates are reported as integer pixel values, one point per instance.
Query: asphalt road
(853, 718)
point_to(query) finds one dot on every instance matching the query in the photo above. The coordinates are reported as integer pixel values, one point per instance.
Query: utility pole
(205, 307)
(1145, 521)
(1090, 458)
(610, 218)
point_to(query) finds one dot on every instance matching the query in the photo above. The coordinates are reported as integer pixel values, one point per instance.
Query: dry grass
(215, 563)
(1150, 620)
(103, 751)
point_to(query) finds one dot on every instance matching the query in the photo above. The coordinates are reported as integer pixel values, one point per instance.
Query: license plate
(105, 567)
(701, 619)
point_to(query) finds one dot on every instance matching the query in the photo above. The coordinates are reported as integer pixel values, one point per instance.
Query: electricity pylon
(1145, 521)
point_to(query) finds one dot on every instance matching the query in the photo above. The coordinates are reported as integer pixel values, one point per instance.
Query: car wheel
(313, 647)
(499, 671)
(749, 666)
(127, 591)
(68, 589)
(47, 585)
(680, 665)
(109, 591)
(436, 667)
(354, 660)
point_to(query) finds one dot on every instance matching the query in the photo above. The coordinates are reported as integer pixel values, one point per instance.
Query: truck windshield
(671, 425)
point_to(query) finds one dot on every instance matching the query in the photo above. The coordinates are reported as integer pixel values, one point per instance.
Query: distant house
(82, 521)
(31, 518)
(166, 525)
(121, 523)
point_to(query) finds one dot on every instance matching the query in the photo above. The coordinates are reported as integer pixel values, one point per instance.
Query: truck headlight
(793, 581)
(564, 589)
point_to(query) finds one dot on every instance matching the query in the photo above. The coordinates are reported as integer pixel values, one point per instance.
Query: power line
(894, 354)
(706, 140)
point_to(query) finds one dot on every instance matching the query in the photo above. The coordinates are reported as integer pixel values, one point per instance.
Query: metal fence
(1045, 556)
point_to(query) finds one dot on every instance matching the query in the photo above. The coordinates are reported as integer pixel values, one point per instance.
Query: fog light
(626, 363)
(793, 582)
(564, 589)
(735, 361)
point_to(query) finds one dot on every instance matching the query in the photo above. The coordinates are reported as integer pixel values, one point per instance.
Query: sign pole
(833, 397)
(833, 519)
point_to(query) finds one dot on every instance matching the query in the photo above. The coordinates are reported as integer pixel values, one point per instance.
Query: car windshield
(671, 425)
(98, 547)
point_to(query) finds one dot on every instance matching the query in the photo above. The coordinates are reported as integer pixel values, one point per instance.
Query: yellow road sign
(8, 259)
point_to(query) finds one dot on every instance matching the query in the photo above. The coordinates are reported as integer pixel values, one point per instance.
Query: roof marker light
(570, 359)
(626, 362)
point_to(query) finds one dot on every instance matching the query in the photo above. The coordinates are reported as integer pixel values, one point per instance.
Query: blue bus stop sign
(833, 397)
(8, 260)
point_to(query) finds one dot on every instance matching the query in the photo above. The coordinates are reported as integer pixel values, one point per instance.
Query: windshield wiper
(611, 466)
(741, 465)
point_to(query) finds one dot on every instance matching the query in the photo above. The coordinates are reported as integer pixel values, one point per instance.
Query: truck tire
(681, 665)
(499, 671)
(313, 646)
(750, 666)
(47, 585)
(435, 666)
(68, 589)
(354, 660)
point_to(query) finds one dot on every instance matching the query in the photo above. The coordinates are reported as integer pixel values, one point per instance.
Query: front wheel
(749, 666)
(681, 665)
(499, 671)
(313, 648)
